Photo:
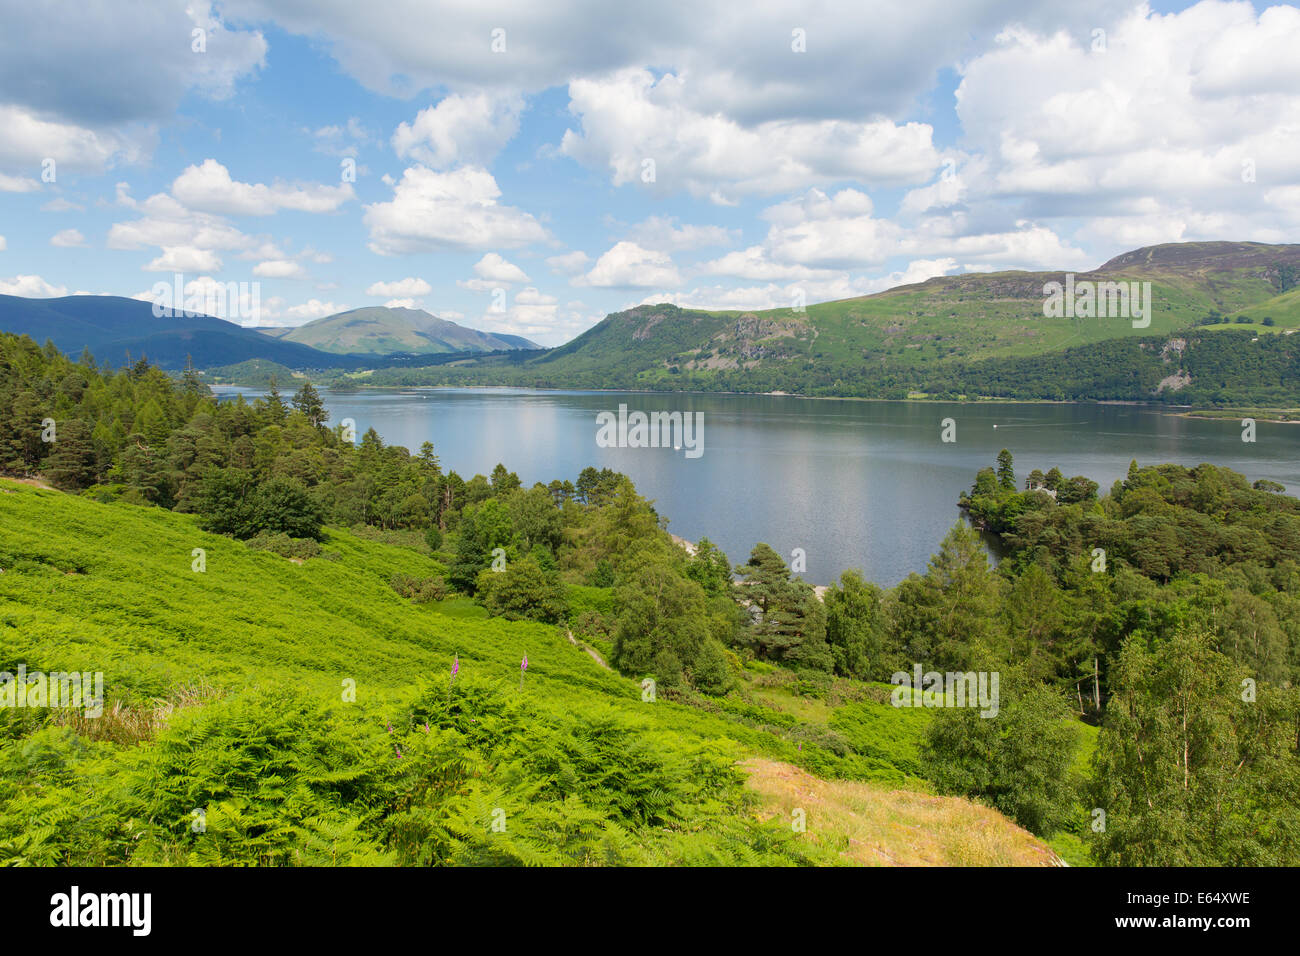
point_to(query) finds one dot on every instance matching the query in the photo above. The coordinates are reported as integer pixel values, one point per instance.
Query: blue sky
(798, 151)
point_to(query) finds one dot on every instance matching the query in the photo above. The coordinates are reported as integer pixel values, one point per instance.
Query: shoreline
(1268, 415)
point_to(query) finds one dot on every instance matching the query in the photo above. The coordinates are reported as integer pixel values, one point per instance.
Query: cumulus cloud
(742, 59)
(494, 268)
(314, 309)
(32, 287)
(113, 82)
(407, 287)
(18, 184)
(65, 239)
(661, 232)
(644, 131)
(1182, 126)
(209, 188)
(463, 129)
(452, 210)
(31, 140)
(570, 263)
(279, 269)
(628, 266)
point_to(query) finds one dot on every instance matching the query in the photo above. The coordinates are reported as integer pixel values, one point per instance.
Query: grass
(323, 676)
(868, 824)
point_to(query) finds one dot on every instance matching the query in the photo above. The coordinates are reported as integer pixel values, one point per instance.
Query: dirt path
(590, 650)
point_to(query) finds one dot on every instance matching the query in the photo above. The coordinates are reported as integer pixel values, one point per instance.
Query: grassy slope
(90, 586)
(970, 318)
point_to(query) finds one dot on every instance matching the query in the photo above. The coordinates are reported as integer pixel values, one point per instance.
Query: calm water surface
(865, 485)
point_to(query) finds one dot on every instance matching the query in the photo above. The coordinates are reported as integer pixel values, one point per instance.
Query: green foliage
(523, 590)
(1017, 760)
(1190, 770)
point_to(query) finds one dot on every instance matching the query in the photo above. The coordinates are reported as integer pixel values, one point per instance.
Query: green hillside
(225, 693)
(384, 331)
(972, 335)
(276, 611)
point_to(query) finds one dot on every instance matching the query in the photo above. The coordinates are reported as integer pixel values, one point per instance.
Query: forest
(1158, 621)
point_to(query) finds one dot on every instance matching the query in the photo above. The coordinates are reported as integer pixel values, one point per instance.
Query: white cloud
(279, 269)
(660, 232)
(454, 210)
(126, 62)
(62, 205)
(31, 140)
(2, 243)
(645, 132)
(1147, 140)
(860, 61)
(184, 259)
(409, 286)
(463, 129)
(18, 184)
(65, 239)
(209, 188)
(314, 309)
(569, 264)
(32, 287)
(628, 266)
(494, 268)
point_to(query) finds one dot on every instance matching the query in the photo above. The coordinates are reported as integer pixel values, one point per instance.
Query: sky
(530, 168)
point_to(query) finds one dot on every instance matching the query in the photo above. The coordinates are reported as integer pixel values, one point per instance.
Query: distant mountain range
(978, 334)
(379, 330)
(118, 329)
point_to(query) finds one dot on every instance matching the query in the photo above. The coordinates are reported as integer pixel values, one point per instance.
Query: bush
(285, 546)
(419, 590)
(229, 502)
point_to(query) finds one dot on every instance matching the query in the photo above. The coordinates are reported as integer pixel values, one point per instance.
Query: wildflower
(455, 667)
(399, 751)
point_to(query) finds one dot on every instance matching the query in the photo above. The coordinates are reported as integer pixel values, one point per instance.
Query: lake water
(865, 485)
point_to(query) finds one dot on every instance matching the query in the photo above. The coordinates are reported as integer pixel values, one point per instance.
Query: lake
(867, 485)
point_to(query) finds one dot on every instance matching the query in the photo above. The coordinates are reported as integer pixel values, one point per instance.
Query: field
(265, 711)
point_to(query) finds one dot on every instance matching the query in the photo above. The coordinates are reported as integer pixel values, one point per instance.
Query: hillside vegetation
(227, 694)
(974, 335)
(275, 604)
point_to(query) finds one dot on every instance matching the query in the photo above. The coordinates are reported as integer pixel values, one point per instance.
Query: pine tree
(308, 401)
(1006, 473)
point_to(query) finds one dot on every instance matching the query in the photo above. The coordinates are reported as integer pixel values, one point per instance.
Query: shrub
(285, 546)
(419, 590)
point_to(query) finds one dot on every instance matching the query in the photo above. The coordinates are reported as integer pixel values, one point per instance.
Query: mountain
(113, 327)
(383, 331)
(1216, 307)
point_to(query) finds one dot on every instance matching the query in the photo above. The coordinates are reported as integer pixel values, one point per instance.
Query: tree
(855, 628)
(1017, 760)
(662, 624)
(522, 591)
(710, 569)
(308, 401)
(950, 617)
(73, 465)
(790, 624)
(1189, 771)
(1006, 473)
(229, 501)
(276, 413)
